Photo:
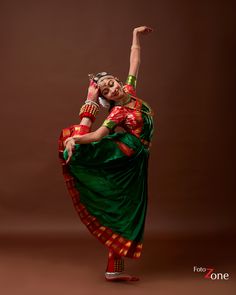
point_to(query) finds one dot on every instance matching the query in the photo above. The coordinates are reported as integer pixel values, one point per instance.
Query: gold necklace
(142, 111)
(150, 113)
(124, 103)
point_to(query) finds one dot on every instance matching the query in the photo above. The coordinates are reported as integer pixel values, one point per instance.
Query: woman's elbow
(97, 138)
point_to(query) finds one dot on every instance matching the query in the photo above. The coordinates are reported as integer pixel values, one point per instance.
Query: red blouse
(129, 119)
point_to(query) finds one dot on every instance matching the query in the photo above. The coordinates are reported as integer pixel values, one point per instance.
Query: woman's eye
(111, 83)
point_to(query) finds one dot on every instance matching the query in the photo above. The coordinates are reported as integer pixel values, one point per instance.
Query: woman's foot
(119, 276)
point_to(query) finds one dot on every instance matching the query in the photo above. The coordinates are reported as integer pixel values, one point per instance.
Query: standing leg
(115, 269)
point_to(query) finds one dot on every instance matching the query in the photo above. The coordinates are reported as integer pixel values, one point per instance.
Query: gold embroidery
(137, 254)
(109, 124)
(108, 242)
(128, 244)
(66, 132)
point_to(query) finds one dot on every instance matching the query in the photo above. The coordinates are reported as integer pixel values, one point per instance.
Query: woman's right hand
(93, 91)
(143, 30)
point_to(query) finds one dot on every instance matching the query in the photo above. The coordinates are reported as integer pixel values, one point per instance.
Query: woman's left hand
(93, 91)
(70, 145)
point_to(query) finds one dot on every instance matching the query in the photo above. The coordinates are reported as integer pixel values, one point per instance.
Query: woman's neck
(124, 100)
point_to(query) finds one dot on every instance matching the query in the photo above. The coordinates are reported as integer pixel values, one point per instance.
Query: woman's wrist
(92, 98)
(77, 138)
(135, 46)
(135, 41)
(67, 140)
(93, 102)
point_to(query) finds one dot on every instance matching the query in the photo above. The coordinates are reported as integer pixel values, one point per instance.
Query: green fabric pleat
(112, 185)
(147, 130)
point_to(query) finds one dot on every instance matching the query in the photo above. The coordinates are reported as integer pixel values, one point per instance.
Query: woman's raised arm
(135, 49)
(92, 95)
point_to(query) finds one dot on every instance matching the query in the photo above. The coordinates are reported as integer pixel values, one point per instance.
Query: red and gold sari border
(124, 148)
(114, 241)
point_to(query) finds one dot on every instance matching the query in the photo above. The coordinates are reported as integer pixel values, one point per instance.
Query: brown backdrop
(47, 50)
(187, 74)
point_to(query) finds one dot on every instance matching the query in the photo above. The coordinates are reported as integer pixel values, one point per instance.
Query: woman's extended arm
(135, 49)
(92, 136)
(84, 139)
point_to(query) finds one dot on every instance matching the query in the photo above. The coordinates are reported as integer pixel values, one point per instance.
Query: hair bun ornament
(99, 76)
(91, 76)
(103, 102)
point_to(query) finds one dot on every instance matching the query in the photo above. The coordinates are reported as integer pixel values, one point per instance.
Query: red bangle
(88, 110)
(87, 115)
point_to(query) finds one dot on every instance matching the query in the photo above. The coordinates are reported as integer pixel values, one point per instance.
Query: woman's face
(111, 89)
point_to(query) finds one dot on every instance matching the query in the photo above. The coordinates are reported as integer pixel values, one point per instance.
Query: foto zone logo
(210, 274)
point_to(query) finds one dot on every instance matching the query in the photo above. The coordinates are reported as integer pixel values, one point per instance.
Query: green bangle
(131, 80)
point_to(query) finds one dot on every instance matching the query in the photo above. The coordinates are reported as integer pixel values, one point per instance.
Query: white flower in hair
(103, 102)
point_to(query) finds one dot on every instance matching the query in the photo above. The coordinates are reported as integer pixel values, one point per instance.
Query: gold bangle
(88, 110)
(87, 101)
(135, 47)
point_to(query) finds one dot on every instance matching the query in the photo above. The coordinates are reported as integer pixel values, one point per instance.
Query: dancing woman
(106, 171)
